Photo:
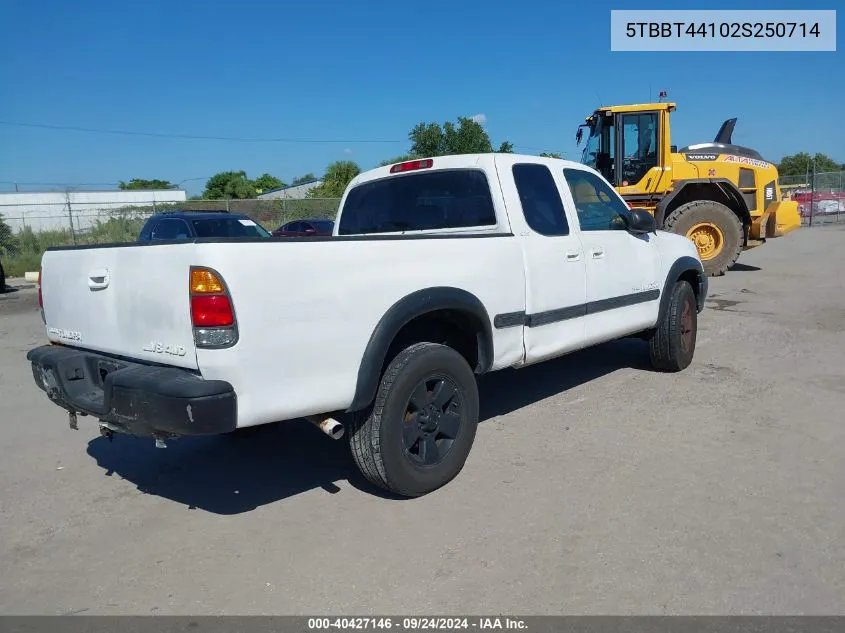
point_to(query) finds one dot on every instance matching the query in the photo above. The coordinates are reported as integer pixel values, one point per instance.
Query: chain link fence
(27, 230)
(820, 197)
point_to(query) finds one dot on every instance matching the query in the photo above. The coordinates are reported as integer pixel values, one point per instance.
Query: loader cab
(628, 145)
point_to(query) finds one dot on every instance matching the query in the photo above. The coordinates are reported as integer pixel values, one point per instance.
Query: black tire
(380, 436)
(686, 216)
(672, 343)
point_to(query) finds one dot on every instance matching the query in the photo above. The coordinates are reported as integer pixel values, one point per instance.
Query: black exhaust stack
(725, 132)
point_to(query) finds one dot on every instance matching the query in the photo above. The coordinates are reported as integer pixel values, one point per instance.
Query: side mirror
(641, 221)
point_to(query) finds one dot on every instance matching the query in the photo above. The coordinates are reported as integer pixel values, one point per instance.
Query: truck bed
(306, 307)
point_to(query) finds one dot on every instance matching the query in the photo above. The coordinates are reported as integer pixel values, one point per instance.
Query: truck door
(623, 269)
(555, 272)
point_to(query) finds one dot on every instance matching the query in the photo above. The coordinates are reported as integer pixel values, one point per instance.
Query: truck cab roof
(451, 161)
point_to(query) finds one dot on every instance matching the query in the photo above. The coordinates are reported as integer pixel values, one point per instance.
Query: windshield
(324, 226)
(228, 227)
(591, 149)
(599, 151)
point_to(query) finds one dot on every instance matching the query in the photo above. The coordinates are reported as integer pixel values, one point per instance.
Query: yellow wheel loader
(724, 197)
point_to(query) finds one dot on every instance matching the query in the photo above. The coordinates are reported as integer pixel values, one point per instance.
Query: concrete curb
(31, 277)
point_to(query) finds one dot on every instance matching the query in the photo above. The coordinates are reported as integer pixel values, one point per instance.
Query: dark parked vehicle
(305, 228)
(2, 279)
(180, 225)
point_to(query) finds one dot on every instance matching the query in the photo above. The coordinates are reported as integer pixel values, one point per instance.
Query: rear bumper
(132, 397)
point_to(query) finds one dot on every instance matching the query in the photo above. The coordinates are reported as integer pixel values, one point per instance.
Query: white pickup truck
(439, 270)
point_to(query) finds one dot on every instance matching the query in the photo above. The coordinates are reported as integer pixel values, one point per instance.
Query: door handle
(573, 256)
(98, 279)
(597, 253)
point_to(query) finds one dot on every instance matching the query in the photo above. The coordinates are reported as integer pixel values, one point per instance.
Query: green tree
(229, 184)
(337, 176)
(801, 163)
(467, 137)
(141, 183)
(266, 182)
(309, 177)
(550, 155)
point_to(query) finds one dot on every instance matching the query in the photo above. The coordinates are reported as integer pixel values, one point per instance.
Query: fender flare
(683, 265)
(725, 184)
(403, 312)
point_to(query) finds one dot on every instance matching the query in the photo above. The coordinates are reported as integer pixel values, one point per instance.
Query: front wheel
(419, 432)
(672, 343)
(715, 230)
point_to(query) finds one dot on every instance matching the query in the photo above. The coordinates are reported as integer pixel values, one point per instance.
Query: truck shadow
(237, 473)
(738, 267)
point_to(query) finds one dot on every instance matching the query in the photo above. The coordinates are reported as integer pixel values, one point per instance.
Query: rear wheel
(714, 229)
(418, 434)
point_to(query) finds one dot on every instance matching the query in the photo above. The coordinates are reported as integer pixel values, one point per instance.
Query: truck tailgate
(131, 301)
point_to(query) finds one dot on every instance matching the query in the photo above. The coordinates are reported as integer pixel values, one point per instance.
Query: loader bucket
(786, 218)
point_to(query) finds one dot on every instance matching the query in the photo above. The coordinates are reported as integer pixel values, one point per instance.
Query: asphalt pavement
(595, 485)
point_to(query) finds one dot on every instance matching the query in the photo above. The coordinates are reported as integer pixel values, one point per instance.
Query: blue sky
(364, 71)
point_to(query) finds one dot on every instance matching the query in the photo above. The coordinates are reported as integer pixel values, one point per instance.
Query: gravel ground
(726, 497)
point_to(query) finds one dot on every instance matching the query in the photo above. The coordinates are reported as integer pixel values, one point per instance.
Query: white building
(291, 192)
(46, 211)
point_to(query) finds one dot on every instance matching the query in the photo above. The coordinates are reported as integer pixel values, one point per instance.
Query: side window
(540, 199)
(639, 146)
(170, 229)
(598, 205)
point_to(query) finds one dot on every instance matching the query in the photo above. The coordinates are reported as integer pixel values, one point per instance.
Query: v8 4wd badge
(160, 348)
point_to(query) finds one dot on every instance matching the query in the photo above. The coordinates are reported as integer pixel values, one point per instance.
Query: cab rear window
(444, 199)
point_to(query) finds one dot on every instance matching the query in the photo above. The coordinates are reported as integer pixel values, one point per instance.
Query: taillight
(411, 165)
(204, 281)
(212, 312)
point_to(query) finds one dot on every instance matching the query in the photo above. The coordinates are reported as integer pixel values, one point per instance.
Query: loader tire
(418, 433)
(672, 342)
(715, 230)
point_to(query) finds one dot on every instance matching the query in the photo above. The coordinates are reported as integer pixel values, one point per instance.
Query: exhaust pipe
(327, 425)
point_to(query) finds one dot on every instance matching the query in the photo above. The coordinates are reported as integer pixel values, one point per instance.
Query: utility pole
(70, 217)
(812, 189)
